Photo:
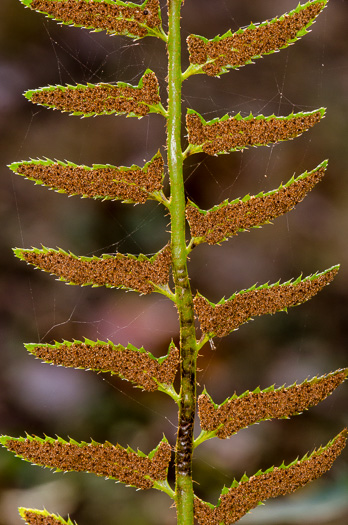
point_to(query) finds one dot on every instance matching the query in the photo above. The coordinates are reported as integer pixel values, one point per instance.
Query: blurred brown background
(309, 340)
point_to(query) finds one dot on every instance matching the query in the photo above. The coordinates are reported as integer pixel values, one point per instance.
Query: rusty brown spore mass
(239, 49)
(260, 406)
(137, 367)
(101, 99)
(221, 319)
(239, 500)
(237, 134)
(114, 271)
(216, 225)
(108, 182)
(107, 460)
(103, 15)
(33, 518)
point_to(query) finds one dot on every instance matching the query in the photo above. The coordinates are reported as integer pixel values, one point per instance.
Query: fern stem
(184, 302)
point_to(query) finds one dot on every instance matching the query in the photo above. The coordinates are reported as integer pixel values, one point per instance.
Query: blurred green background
(311, 339)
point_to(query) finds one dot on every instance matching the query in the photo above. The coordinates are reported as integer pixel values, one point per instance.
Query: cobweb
(294, 80)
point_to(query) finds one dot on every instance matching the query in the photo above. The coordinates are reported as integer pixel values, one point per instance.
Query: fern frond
(107, 460)
(233, 50)
(222, 318)
(238, 500)
(229, 218)
(113, 16)
(131, 363)
(261, 405)
(102, 99)
(222, 135)
(140, 273)
(100, 181)
(42, 517)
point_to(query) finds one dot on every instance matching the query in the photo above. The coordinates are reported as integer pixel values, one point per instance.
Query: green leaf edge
(155, 32)
(306, 457)
(272, 388)
(48, 162)
(115, 347)
(229, 33)
(290, 282)
(198, 148)
(141, 257)
(246, 198)
(45, 514)
(18, 252)
(157, 108)
(238, 116)
(245, 478)
(47, 439)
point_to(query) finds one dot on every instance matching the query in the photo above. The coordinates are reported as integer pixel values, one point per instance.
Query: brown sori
(101, 98)
(216, 225)
(280, 481)
(239, 48)
(107, 460)
(135, 366)
(107, 182)
(236, 133)
(33, 518)
(103, 15)
(221, 319)
(238, 413)
(113, 271)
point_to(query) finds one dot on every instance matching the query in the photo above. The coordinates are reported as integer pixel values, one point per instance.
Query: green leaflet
(222, 318)
(225, 134)
(111, 461)
(232, 50)
(38, 517)
(247, 494)
(140, 273)
(113, 16)
(249, 408)
(229, 218)
(131, 363)
(100, 181)
(102, 99)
